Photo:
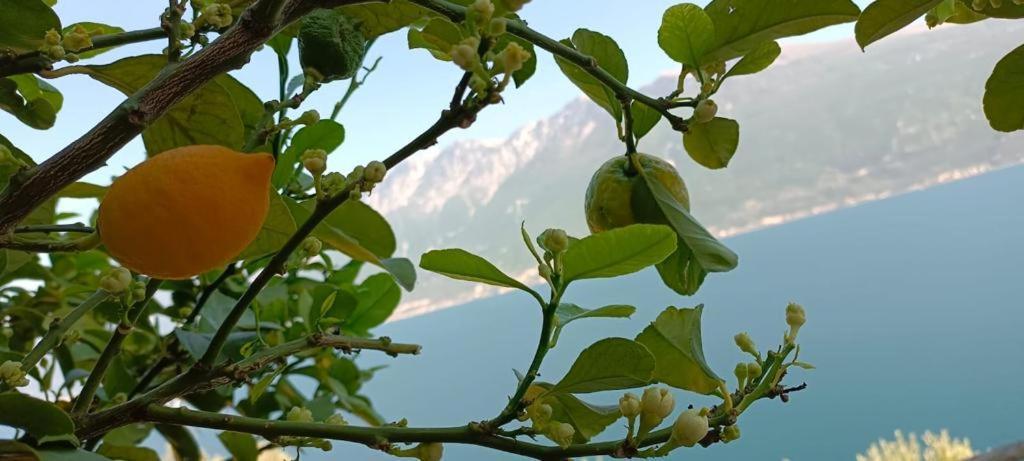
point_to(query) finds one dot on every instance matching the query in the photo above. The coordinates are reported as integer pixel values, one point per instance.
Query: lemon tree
(234, 262)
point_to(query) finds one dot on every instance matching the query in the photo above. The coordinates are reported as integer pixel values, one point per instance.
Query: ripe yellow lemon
(612, 191)
(185, 211)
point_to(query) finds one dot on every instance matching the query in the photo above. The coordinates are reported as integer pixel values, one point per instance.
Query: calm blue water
(914, 308)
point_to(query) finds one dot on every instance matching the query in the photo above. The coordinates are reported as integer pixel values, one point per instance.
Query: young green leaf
(39, 418)
(242, 446)
(568, 312)
(609, 364)
(376, 19)
(712, 144)
(30, 100)
(686, 34)
(617, 252)
(712, 255)
(588, 419)
(127, 453)
(438, 37)
(608, 56)
(756, 60)
(278, 226)
(1004, 93)
(377, 297)
(743, 25)
(462, 265)
(644, 119)
(24, 23)
(681, 272)
(883, 17)
(675, 341)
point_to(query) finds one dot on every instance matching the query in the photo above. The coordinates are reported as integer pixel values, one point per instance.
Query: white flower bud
(375, 171)
(705, 111)
(690, 427)
(116, 281)
(299, 415)
(561, 433)
(629, 405)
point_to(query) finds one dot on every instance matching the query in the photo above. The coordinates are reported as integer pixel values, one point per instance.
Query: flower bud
(315, 161)
(629, 405)
(498, 26)
(482, 10)
(705, 111)
(336, 420)
(116, 280)
(513, 57)
(308, 117)
(554, 240)
(996, 3)
(138, 290)
(753, 370)
(464, 56)
(311, 246)
(375, 171)
(730, 433)
(746, 344)
(52, 37)
(332, 183)
(356, 175)
(12, 375)
(795, 318)
(741, 373)
(539, 413)
(544, 271)
(217, 15)
(300, 415)
(77, 39)
(658, 402)
(186, 30)
(690, 427)
(979, 4)
(561, 433)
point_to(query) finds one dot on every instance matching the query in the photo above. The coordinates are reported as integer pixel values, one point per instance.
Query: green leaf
(182, 442)
(24, 23)
(608, 56)
(83, 189)
(278, 226)
(128, 453)
(70, 455)
(883, 17)
(325, 134)
(1004, 93)
(377, 297)
(681, 272)
(589, 420)
(712, 144)
(207, 116)
(756, 60)
(339, 240)
(686, 33)
(361, 222)
(437, 36)
(377, 19)
(675, 341)
(617, 252)
(743, 25)
(241, 446)
(609, 364)
(708, 251)
(644, 118)
(568, 312)
(460, 264)
(39, 418)
(94, 29)
(32, 101)
(118, 379)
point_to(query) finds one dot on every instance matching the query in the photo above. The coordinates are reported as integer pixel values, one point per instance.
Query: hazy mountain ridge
(820, 131)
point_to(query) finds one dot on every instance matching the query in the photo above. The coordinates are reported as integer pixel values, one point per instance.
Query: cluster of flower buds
(51, 46)
(299, 414)
(12, 375)
(77, 39)
(485, 63)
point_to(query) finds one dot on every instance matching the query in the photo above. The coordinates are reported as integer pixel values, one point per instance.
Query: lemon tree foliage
(237, 271)
(1004, 89)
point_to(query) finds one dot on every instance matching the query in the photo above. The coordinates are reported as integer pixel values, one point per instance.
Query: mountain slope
(827, 128)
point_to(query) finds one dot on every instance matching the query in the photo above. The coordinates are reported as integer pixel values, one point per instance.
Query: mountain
(825, 128)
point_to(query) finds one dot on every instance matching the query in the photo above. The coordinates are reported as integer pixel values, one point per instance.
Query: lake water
(915, 309)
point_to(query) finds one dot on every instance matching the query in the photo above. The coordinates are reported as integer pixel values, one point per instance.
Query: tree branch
(60, 326)
(91, 151)
(34, 61)
(518, 28)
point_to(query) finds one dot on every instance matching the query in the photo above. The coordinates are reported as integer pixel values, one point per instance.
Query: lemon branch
(457, 13)
(231, 50)
(60, 326)
(35, 61)
(112, 349)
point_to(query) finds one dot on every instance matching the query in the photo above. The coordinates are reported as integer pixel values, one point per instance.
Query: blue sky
(400, 99)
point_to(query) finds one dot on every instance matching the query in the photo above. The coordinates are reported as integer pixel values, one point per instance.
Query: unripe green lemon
(610, 196)
(330, 45)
